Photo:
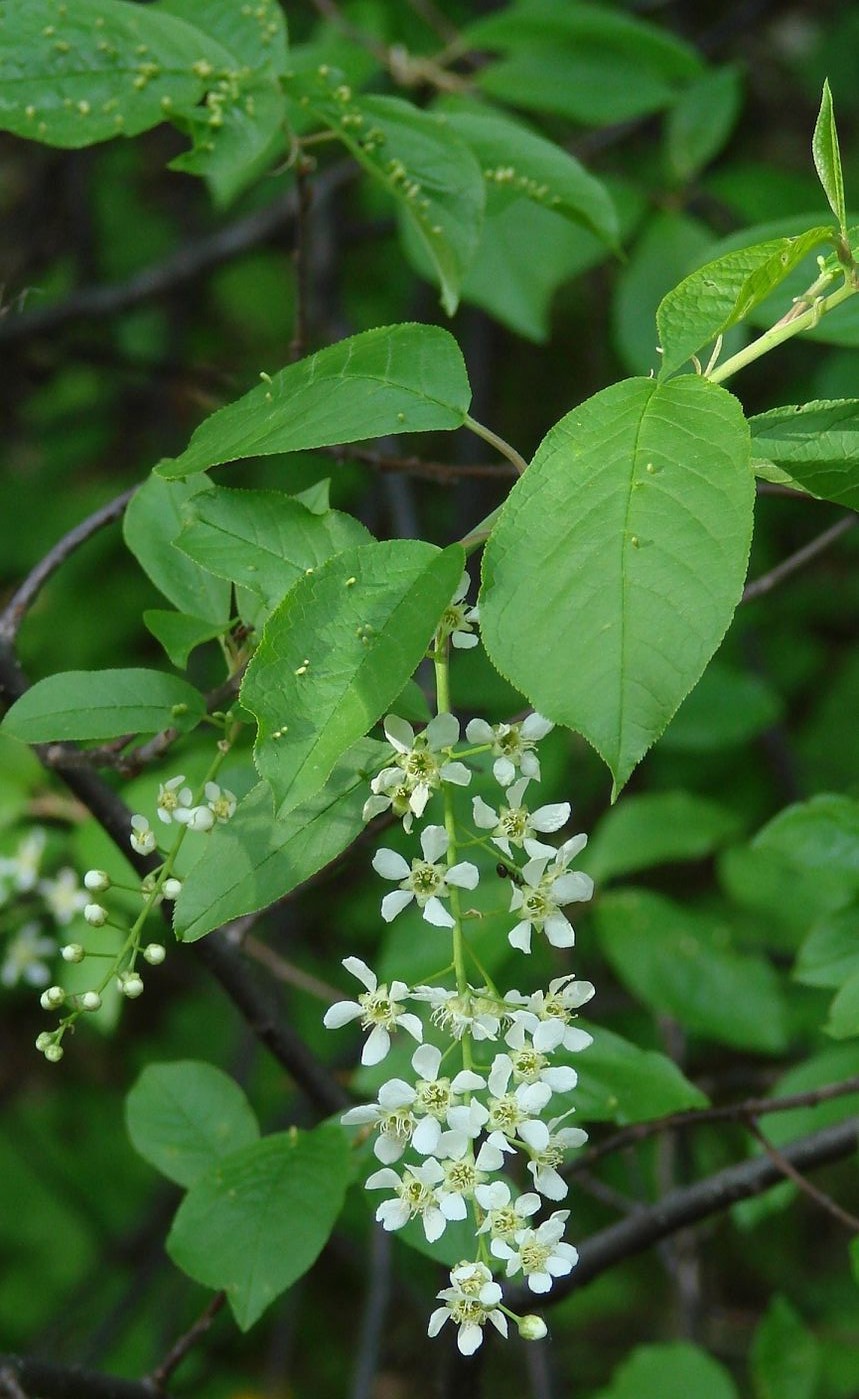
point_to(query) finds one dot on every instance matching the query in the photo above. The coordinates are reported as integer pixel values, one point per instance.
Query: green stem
(497, 442)
(442, 690)
(778, 334)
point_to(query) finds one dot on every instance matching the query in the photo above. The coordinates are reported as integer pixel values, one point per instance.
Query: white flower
(195, 818)
(527, 1065)
(392, 1115)
(63, 895)
(471, 1300)
(515, 825)
(512, 745)
(546, 1146)
(172, 798)
(424, 880)
(419, 767)
(220, 801)
(437, 1100)
(416, 1193)
(539, 1253)
(458, 619)
(504, 1216)
(24, 959)
(475, 1012)
(378, 1007)
(509, 1112)
(22, 868)
(142, 838)
(545, 1016)
(544, 889)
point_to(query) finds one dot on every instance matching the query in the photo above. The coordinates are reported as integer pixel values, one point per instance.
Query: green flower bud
(154, 953)
(72, 952)
(532, 1328)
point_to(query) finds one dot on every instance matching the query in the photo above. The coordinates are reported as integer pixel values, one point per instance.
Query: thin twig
(288, 971)
(794, 562)
(700, 1117)
(682, 1208)
(9, 1386)
(374, 1314)
(177, 1352)
(443, 472)
(52, 1381)
(818, 1196)
(16, 608)
(184, 265)
(301, 260)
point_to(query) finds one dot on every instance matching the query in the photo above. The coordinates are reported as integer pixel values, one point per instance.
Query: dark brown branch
(51, 1381)
(818, 1196)
(682, 1208)
(16, 608)
(184, 265)
(186, 1342)
(442, 472)
(794, 562)
(699, 1117)
(300, 259)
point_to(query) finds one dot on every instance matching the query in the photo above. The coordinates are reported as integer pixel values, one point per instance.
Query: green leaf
(814, 446)
(433, 177)
(152, 521)
(843, 1022)
(591, 64)
(724, 291)
(522, 165)
(827, 157)
(657, 828)
(74, 74)
(677, 963)
(820, 835)
(178, 633)
(405, 378)
(184, 1117)
(254, 34)
(669, 245)
(618, 559)
(785, 1356)
(101, 704)
(337, 652)
(672, 1369)
(256, 858)
(726, 708)
(263, 540)
(247, 137)
(702, 119)
(620, 1082)
(830, 954)
(259, 1219)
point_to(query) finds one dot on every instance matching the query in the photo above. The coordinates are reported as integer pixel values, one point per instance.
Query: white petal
(395, 902)
(469, 1338)
(362, 971)
(466, 1081)
(377, 1045)
(560, 1079)
(442, 731)
(412, 1024)
(465, 875)
(571, 848)
(478, 731)
(536, 727)
(374, 806)
(382, 1180)
(574, 887)
(433, 843)
(550, 818)
(535, 1134)
(434, 1224)
(391, 865)
(533, 1097)
(548, 1035)
(426, 1061)
(457, 773)
(437, 1320)
(435, 912)
(559, 930)
(499, 1249)
(399, 733)
(499, 1075)
(483, 814)
(520, 937)
(494, 1196)
(396, 1093)
(504, 771)
(388, 1148)
(464, 640)
(576, 1039)
(527, 1204)
(341, 1013)
(358, 1117)
(426, 1136)
(417, 801)
(540, 1282)
(452, 1205)
(499, 1321)
(392, 1214)
(549, 1183)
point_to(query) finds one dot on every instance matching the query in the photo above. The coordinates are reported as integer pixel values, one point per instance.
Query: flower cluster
(121, 956)
(476, 1113)
(30, 901)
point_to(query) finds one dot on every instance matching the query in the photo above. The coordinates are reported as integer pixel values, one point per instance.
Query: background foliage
(136, 301)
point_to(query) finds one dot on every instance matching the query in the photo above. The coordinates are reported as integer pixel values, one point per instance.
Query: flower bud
(97, 881)
(532, 1328)
(130, 985)
(95, 915)
(154, 953)
(90, 1000)
(171, 888)
(43, 1040)
(142, 839)
(53, 1053)
(53, 998)
(72, 952)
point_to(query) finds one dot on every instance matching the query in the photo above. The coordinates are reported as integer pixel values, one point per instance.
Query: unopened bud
(90, 1000)
(532, 1328)
(72, 952)
(154, 953)
(97, 881)
(43, 1040)
(130, 985)
(53, 1053)
(53, 998)
(171, 888)
(95, 915)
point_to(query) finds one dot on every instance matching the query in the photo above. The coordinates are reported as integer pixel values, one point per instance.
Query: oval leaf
(405, 378)
(183, 1117)
(152, 521)
(257, 858)
(814, 446)
(618, 559)
(337, 651)
(100, 704)
(827, 157)
(259, 1219)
